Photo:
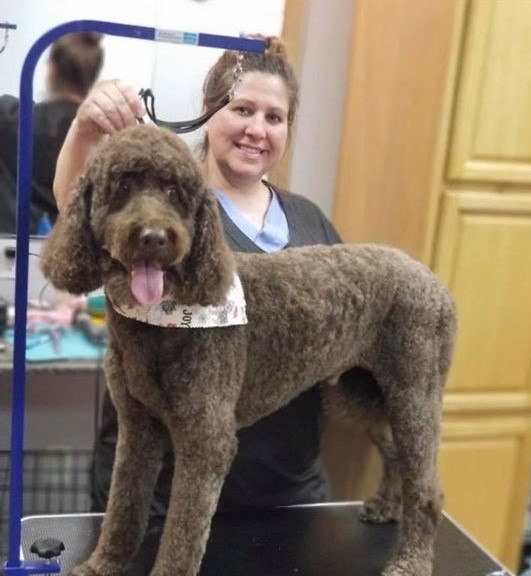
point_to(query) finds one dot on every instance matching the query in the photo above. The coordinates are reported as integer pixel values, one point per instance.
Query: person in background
(73, 66)
(278, 460)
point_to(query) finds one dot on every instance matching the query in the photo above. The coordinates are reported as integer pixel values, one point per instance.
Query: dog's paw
(379, 510)
(83, 570)
(409, 565)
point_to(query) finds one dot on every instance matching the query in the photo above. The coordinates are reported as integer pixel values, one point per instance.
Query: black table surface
(326, 540)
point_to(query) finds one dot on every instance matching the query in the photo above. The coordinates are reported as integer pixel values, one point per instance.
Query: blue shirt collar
(275, 233)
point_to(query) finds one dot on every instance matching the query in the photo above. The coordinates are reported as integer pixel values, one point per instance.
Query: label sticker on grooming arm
(176, 37)
(171, 314)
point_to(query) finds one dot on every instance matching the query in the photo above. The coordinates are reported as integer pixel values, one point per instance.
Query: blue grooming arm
(14, 566)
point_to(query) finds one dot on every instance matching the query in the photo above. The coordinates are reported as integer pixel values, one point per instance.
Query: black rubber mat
(301, 541)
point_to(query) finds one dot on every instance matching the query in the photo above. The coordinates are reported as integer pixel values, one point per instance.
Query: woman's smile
(250, 150)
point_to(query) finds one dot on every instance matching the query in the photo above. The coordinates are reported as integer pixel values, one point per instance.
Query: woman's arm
(110, 106)
(70, 162)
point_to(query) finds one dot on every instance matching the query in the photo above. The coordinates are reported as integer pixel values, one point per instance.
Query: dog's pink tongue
(147, 283)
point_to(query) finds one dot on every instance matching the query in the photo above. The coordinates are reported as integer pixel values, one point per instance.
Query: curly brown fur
(337, 310)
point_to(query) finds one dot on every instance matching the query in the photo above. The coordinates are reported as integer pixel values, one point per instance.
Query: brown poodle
(144, 224)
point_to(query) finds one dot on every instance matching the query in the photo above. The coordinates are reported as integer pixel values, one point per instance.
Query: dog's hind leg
(414, 413)
(413, 360)
(204, 448)
(386, 505)
(141, 441)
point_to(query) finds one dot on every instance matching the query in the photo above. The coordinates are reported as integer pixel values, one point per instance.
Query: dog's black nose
(153, 238)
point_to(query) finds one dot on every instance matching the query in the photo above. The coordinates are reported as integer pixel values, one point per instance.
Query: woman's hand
(109, 107)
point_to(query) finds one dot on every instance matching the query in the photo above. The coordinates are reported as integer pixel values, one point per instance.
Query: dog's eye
(176, 194)
(123, 186)
(173, 192)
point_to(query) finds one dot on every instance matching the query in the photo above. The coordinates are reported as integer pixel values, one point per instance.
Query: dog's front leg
(138, 455)
(204, 450)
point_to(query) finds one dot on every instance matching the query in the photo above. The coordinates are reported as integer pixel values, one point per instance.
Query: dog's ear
(209, 266)
(70, 259)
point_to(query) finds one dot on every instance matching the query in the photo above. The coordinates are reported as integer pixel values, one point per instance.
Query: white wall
(324, 77)
(174, 72)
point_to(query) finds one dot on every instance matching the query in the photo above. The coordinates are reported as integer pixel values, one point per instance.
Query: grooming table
(321, 540)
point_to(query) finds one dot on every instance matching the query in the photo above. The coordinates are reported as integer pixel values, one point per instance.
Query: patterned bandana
(171, 314)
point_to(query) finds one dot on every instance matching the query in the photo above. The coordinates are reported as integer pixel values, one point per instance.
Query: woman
(278, 462)
(74, 63)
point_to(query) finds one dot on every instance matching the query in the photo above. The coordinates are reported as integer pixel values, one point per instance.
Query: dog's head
(143, 223)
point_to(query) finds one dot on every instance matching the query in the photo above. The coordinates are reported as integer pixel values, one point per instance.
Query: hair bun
(275, 47)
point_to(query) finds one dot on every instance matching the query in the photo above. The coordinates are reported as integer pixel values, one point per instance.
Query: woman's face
(248, 136)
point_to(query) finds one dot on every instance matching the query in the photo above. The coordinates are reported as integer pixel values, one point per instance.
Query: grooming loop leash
(182, 127)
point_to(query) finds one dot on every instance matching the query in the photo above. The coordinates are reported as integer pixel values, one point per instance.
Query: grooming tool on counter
(94, 331)
(96, 305)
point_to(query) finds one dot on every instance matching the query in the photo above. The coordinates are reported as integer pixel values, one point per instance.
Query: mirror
(174, 72)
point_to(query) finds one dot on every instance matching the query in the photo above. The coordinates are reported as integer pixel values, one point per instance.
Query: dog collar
(171, 314)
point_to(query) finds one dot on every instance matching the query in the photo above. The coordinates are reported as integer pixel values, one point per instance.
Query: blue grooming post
(14, 566)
